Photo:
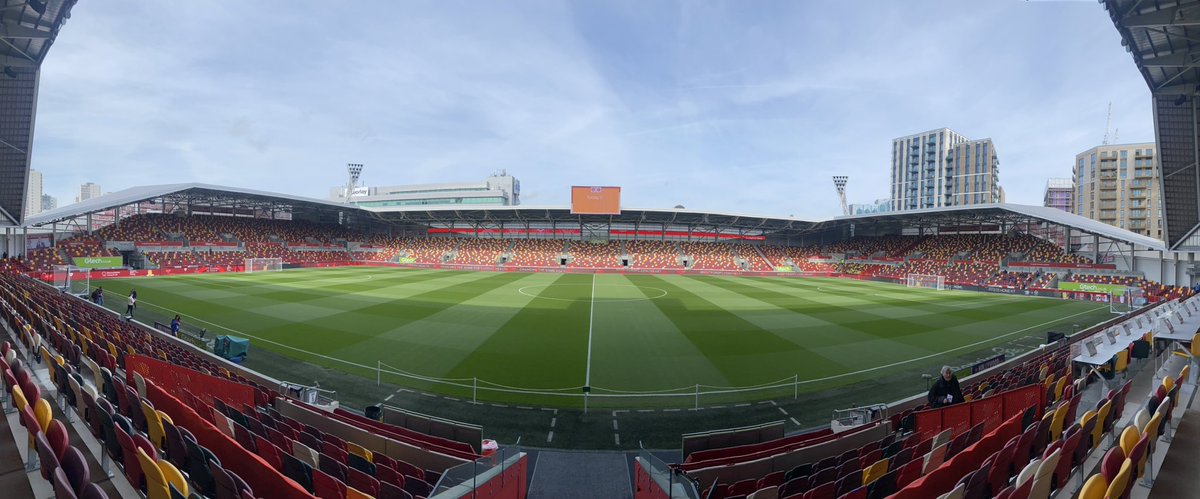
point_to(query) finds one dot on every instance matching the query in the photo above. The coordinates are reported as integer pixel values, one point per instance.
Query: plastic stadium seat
(327, 487)
(1118, 485)
(75, 468)
(62, 486)
(1110, 464)
(156, 482)
(1094, 488)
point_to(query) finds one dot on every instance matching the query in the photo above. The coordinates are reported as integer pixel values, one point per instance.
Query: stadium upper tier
(1014, 260)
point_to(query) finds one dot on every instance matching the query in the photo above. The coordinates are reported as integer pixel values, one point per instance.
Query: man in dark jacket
(945, 391)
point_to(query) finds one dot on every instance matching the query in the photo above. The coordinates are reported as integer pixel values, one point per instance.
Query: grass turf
(667, 334)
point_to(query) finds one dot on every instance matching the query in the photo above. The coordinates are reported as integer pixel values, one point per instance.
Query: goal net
(264, 264)
(72, 279)
(1127, 300)
(937, 282)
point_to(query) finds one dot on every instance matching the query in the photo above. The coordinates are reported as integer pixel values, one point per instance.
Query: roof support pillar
(25, 240)
(1162, 270)
(1096, 248)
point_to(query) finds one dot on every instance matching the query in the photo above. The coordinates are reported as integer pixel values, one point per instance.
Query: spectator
(132, 303)
(945, 391)
(175, 326)
(98, 296)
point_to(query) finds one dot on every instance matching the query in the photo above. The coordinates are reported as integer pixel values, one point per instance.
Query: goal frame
(67, 278)
(1131, 299)
(263, 265)
(930, 281)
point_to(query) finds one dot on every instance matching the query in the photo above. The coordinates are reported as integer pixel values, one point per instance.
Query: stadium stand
(592, 254)
(1028, 434)
(652, 254)
(193, 438)
(536, 252)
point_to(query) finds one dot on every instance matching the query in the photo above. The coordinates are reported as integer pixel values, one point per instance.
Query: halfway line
(587, 377)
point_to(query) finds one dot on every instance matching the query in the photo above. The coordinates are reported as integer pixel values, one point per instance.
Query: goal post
(937, 282)
(72, 279)
(263, 265)
(1126, 300)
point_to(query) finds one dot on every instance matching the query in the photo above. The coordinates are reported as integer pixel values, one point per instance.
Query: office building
(88, 191)
(1059, 193)
(500, 189)
(33, 193)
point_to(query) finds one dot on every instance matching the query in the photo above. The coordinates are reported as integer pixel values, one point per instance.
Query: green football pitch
(635, 340)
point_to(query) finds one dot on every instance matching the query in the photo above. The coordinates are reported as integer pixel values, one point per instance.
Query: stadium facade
(941, 168)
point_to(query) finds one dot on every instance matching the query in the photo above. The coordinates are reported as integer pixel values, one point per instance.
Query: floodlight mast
(354, 170)
(839, 181)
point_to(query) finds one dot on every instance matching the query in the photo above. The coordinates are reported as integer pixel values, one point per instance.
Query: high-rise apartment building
(1119, 185)
(943, 168)
(49, 202)
(88, 191)
(1059, 193)
(33, 193)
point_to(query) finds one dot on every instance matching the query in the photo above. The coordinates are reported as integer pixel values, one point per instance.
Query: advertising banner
(1092, 288)
(97, 262)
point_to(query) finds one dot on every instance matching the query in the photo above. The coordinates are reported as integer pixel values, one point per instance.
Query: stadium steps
(13, 480)
(763, 256)
(1177, 477)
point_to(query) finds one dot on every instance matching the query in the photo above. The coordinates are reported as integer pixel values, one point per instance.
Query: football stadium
(205, 340)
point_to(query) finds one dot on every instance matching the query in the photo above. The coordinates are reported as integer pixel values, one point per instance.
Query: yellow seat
(1094, 488)
(874, 471)
(1151, 429)
(359, 451)
(173, 476)
(1122, 361)
(353, 493)
(58, 359)
(1168, 382)
(1101, 417)
(1056, 423)
(1183, 374)
(43, 413)
(154, 426)
(1116, 489)
(1059, 387)
(163, 416)
(1129, 438)
(156, 482)
(19, 398)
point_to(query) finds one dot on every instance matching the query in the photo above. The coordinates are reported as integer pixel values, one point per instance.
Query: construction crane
(839, 181)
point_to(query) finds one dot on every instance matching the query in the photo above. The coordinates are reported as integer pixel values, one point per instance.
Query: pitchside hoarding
(97, 262)
(1112, 289)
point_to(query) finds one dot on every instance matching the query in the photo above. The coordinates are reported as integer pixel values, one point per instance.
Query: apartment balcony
(1108, 185)
(1108, 196)
(1144, 154)
(1138, 226)
(1138, 193)
(1108, 176)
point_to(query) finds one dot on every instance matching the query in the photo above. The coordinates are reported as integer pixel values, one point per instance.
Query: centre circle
(536, 288)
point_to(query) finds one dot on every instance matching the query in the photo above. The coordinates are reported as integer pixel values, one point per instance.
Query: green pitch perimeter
(619, 334)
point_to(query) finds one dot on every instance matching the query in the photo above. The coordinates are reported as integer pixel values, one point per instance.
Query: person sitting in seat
(945, 390)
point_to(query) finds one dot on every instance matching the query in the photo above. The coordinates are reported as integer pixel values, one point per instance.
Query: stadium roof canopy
(197, 195)
(1163, 36)
(205, 198)
(27, 29)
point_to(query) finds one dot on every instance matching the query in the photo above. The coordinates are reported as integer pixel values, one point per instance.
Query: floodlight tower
(354, 170)
(839, 181)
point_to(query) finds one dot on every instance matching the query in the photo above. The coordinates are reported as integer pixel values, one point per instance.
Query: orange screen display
(587, 200)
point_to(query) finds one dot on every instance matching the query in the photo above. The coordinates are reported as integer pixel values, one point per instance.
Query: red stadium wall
(991, 411)
(644, 486)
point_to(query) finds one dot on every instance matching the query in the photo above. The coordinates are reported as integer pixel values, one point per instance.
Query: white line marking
(797, 423)
(645, 410)
(670, 410)
(550, 436)
(615, 425)
(617, 439)
(553, 421)
(524, 407)
(389, 397)
(785, 413)
(741, 405)
(587, 376)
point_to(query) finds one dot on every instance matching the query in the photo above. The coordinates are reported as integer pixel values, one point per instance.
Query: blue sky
(726, 106)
